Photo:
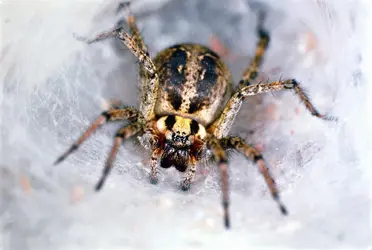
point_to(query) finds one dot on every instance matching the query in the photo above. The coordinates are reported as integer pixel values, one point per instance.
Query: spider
(187, 107)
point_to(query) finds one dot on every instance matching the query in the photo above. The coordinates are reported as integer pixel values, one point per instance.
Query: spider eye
(194, 127)
(170, 121)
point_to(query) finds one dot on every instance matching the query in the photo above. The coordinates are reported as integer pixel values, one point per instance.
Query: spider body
(193, 82)
(194, 85)
(187, 107)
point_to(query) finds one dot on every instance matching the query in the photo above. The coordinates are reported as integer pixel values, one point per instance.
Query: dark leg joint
(74, 147)
(106, 115)
(290, 84)
(223, 161)
(254, 74)
(119, 135)
(263, 34)
(294, 82)
(257, 158)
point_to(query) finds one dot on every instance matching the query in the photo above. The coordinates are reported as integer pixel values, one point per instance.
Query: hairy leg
(131, 21)
(149, 77)
(122, 135)
(223, 124)
(254, 155)
(221, 159)
(114, 114)
(189, 176)
(253, 69)
(154, 167)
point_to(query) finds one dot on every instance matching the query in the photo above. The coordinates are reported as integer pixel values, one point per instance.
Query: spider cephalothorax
(187, 108)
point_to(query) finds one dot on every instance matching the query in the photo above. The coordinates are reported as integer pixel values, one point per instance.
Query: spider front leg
(131, 21)
(223, 124)
(254, 155)
(149, 77)
(190, 174)
(114, 114)
(220, 157)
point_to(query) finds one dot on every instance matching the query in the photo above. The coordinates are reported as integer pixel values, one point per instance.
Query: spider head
(182, 138)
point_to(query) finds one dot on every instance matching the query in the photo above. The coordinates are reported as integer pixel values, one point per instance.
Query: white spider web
(53, 86)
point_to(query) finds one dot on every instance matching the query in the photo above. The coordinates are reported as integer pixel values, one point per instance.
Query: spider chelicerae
(187, 107)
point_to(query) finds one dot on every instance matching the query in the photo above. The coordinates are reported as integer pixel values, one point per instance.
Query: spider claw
(153, 179)
(227, 222)
(185, 185)
(283, 209)
(79, 38)
(330, 118)
(99, 185)
(226, 215)
(73, 148)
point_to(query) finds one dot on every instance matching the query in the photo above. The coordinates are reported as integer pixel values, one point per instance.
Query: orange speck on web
(25, 183)
(272, 112)
(260, 147)
(217, 46)
(311, 41)
(76, 194)
(297, 111)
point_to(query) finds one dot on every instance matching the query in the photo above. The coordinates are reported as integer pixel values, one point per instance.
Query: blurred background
(53, 86)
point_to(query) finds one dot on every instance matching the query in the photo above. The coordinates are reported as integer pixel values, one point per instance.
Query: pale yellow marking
(160, 124)
(202, 133)
(182, 125)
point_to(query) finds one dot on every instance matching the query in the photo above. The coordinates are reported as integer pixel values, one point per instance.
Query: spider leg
(136, 45)
(190, 174)
(223, 124)
(254, 155)
(142, 55)
(221, 159)
(154, 167)
(149, 77)
(117, 113)
(252, 71)
(122, 135)
(131, 21)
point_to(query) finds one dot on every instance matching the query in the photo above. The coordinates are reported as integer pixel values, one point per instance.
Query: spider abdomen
(193, 82)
